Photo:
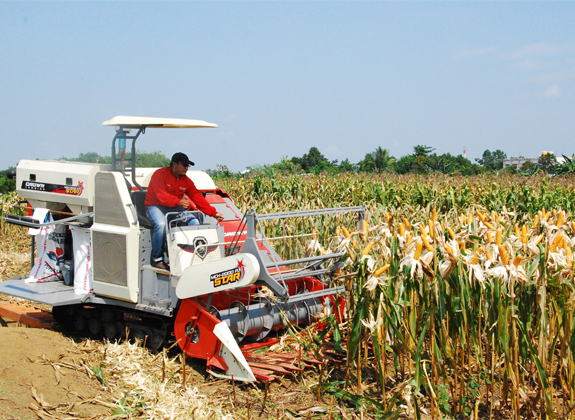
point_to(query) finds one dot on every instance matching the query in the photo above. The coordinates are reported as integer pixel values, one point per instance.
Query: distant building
(518, 162)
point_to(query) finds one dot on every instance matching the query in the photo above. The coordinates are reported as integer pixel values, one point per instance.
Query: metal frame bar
(275, 281)
(40, 225)
(121, 133)
(303, 213)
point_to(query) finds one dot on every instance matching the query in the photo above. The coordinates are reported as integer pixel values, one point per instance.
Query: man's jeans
(157, 214)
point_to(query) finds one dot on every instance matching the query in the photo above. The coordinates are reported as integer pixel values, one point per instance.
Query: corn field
(460, 290)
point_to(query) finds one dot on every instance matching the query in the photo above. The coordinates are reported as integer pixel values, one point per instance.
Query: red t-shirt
(166, 189)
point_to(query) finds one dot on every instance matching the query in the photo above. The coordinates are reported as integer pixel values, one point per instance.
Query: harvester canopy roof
(139, 122)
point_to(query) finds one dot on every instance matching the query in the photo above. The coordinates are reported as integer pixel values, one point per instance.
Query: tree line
(423, 160)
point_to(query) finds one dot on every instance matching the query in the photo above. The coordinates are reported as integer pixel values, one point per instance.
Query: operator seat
(138, 199)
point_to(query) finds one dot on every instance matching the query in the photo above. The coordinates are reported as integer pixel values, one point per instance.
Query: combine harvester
(227, 288)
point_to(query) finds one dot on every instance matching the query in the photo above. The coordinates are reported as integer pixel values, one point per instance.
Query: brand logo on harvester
(54, 188)
(75, 190)
(229, 276)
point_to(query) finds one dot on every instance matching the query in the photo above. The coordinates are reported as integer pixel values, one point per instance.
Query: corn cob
(381, 270)
(431, 230)
(560, 219)
(524, 233)
(418, 250)
(367, 248)
(498, 236)
(345, 232)
(401, 229)
(503, 255)
(425, 241)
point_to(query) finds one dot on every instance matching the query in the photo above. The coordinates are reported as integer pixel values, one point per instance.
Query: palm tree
(381, 159)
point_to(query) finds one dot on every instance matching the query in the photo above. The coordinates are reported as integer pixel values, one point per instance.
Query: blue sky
(281, 77)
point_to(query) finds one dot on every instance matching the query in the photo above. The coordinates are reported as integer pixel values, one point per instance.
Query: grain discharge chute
(227, 287)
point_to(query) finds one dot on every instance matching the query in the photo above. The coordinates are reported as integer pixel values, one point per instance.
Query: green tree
(547, 162)
(7, 184)
(404, 164)
(143, 159)
(347, 166)
(492, 161)
(151, 160)
(421, 150)
(567, 167)
(312, 159)
(377, 161)
(528, 168)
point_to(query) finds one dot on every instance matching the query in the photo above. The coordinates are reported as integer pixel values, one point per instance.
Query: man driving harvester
(168, 192)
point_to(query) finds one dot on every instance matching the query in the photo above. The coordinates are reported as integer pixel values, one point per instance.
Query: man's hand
(184, 203)
(219, 217)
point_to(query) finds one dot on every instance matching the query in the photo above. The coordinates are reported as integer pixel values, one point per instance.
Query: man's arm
(201, 202)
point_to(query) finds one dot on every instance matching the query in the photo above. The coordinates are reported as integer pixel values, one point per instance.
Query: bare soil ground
(45, 374)
(35, 382)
